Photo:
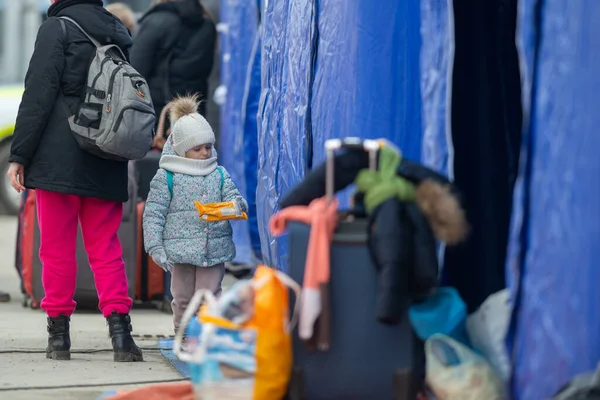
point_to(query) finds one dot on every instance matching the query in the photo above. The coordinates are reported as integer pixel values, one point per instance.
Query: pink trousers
(58, 217)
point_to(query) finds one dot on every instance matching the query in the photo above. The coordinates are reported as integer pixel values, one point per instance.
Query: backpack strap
(170, 181)
(63, 101)
(222, 177)
(63, 27)
(91, 39)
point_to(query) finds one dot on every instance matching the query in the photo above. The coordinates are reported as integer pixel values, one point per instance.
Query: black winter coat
(403, 250)
(347, 165)
(178, 38)
(57, 74)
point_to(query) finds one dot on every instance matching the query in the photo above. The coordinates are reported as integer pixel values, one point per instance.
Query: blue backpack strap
(170, 181)
(222, 177)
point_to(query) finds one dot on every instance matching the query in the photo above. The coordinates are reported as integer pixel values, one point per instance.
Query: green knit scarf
(383, 184)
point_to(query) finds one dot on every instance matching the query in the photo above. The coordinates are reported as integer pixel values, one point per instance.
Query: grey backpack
(115, 119)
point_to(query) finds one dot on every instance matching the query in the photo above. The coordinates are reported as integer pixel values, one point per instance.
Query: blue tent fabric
(251, 100)
(282, 114)
(437, 48)
(236, 41)
(327, 73)
(359, 90)
(552, 264)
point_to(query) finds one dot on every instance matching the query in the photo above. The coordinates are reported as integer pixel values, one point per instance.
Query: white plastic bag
(455, 372)
(487, 329)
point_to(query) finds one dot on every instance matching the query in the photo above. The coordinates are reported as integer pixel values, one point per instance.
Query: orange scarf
(323, 220)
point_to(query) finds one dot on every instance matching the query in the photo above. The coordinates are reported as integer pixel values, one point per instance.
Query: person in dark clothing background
(72, 186)
(174, 50)
(124, 13)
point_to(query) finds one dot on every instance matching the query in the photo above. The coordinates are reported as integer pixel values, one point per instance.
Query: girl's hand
(16, 174)
(160, 258)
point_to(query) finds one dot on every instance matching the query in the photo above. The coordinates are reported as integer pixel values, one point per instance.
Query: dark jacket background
(213, 111)
(486, 135)
(43, 141)
(180, 27)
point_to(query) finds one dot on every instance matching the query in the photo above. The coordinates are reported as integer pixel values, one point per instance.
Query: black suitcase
(366, 359)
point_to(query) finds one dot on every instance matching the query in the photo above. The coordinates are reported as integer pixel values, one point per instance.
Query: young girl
(194, 251)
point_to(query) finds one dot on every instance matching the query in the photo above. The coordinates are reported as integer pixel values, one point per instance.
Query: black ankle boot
(59, 341)
(125, 349)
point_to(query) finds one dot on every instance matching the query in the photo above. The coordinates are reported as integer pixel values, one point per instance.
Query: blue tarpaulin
(251, 99)
(332, 68)
(367, 74)
(436, 58)
(553, 255)
(238, 30)
(286, 65)
(437, 52)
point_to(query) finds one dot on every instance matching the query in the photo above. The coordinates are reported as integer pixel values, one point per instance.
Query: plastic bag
(252, 357)
(455, 372)
(487, 329)
(582, 387)
(443, 312)
(220, 211)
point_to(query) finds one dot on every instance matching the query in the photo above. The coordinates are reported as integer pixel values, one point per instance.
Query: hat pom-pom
(182, 106)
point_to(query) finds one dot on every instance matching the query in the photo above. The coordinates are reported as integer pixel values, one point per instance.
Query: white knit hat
(190, 129)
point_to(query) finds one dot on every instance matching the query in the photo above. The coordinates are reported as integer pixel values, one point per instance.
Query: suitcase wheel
(34, 305)
(405, 386)
(296, 385)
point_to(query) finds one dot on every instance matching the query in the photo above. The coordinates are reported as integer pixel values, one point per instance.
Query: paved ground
(23, 366)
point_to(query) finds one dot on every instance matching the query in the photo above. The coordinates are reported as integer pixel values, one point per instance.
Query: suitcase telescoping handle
(351, 143)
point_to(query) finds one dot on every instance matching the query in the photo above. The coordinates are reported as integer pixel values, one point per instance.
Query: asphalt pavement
(25, 373)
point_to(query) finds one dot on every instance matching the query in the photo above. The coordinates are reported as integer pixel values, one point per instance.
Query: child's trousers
(186, 279)
(58, 217)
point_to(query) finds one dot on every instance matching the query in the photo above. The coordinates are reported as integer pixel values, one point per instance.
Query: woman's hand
(16, 174)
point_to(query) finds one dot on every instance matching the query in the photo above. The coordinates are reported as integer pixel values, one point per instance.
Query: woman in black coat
(174, 50)
(72, 186)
